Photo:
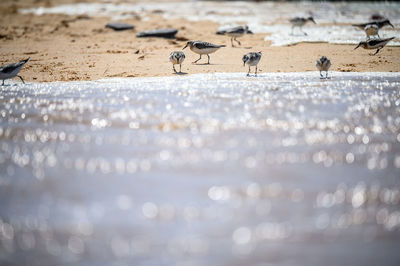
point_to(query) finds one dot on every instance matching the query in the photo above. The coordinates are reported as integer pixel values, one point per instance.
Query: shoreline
(68, 48)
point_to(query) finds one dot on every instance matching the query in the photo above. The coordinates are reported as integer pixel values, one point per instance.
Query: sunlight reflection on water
(216, 169)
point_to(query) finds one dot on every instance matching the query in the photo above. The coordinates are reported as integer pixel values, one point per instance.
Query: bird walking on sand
(300, 22)
(236, 32)
(176, 58)
(251, 59)
(323, 64)
(380, 24)
(10, 71)
(374, 44)
(201, 48)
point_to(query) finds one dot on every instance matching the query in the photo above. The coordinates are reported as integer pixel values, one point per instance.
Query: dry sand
(65, 47)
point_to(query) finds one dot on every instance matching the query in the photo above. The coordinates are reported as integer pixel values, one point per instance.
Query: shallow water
(215, 169)
(333, 19)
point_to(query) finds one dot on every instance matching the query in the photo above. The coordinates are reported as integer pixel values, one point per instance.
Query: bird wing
(238, 29)
(204, 45)
(9, 68)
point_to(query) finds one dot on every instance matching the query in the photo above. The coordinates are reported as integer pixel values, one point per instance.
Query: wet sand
(64, 48)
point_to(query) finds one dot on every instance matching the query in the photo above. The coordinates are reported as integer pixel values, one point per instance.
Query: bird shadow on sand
(244, 47)
(180, 73)
(205, 64)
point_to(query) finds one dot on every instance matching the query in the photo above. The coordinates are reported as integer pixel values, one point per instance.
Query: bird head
(245, 59)
(189, 43)
(387, 22)
(311, 19)
(362, 44)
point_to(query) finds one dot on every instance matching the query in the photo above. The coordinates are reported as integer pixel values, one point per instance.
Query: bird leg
(292, 30)
(232, 42)
(320, 73)
(180, 68)
(3, 83)
(248, 73)
(377, 51)
(197, 60)
(173, 66)
(21, 79)
(305, 33)
(326, 75)
(208, 59)
(256, 70)
(237, 41)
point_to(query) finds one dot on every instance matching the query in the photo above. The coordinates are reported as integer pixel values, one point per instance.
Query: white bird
(176, 58)
(300, 22)
(374, 44)
(10, 71)
(323, 64)
(251, 59)
(201, 48)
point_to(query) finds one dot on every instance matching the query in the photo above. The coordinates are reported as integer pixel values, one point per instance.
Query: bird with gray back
(236, 32)
(176, 58)
(10, 71)
(374, 44)
(380, 24)
(201, 48)
(323, 64)
(251, 59)
(300, 22)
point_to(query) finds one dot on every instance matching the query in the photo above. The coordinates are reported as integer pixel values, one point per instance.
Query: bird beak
(250, 32)
(185, 46)
(391, 25)
(357, 46)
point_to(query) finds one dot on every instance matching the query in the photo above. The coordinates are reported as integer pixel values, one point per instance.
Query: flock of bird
(251, 59)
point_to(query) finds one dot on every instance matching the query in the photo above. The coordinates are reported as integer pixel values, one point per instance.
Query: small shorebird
(379, 24)
(201, 48)
(251, 59)
(374, 44)
(176, 58)
(300, 22)
(372, 30)
(11, 70)
(236, 32)
(323, 64)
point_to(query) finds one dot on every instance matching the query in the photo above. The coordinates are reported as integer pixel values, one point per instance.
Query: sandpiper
(201, 48)
(323, 64)
(379, 24)
(177, 57)
(251, 59)
(300, 22)
(236, 32)
(372, 30)
(10, 71)
(374, 44)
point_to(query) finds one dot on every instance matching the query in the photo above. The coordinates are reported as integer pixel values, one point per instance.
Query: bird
(372, 30)
(300, 22)
(11, 70)
(323, 64)
(379, 24)
(176, 58)
(251, 59)
(236, 32)
(201, 48)
(374, 44)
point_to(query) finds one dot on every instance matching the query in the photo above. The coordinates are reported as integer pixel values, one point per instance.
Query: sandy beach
(64, 48)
